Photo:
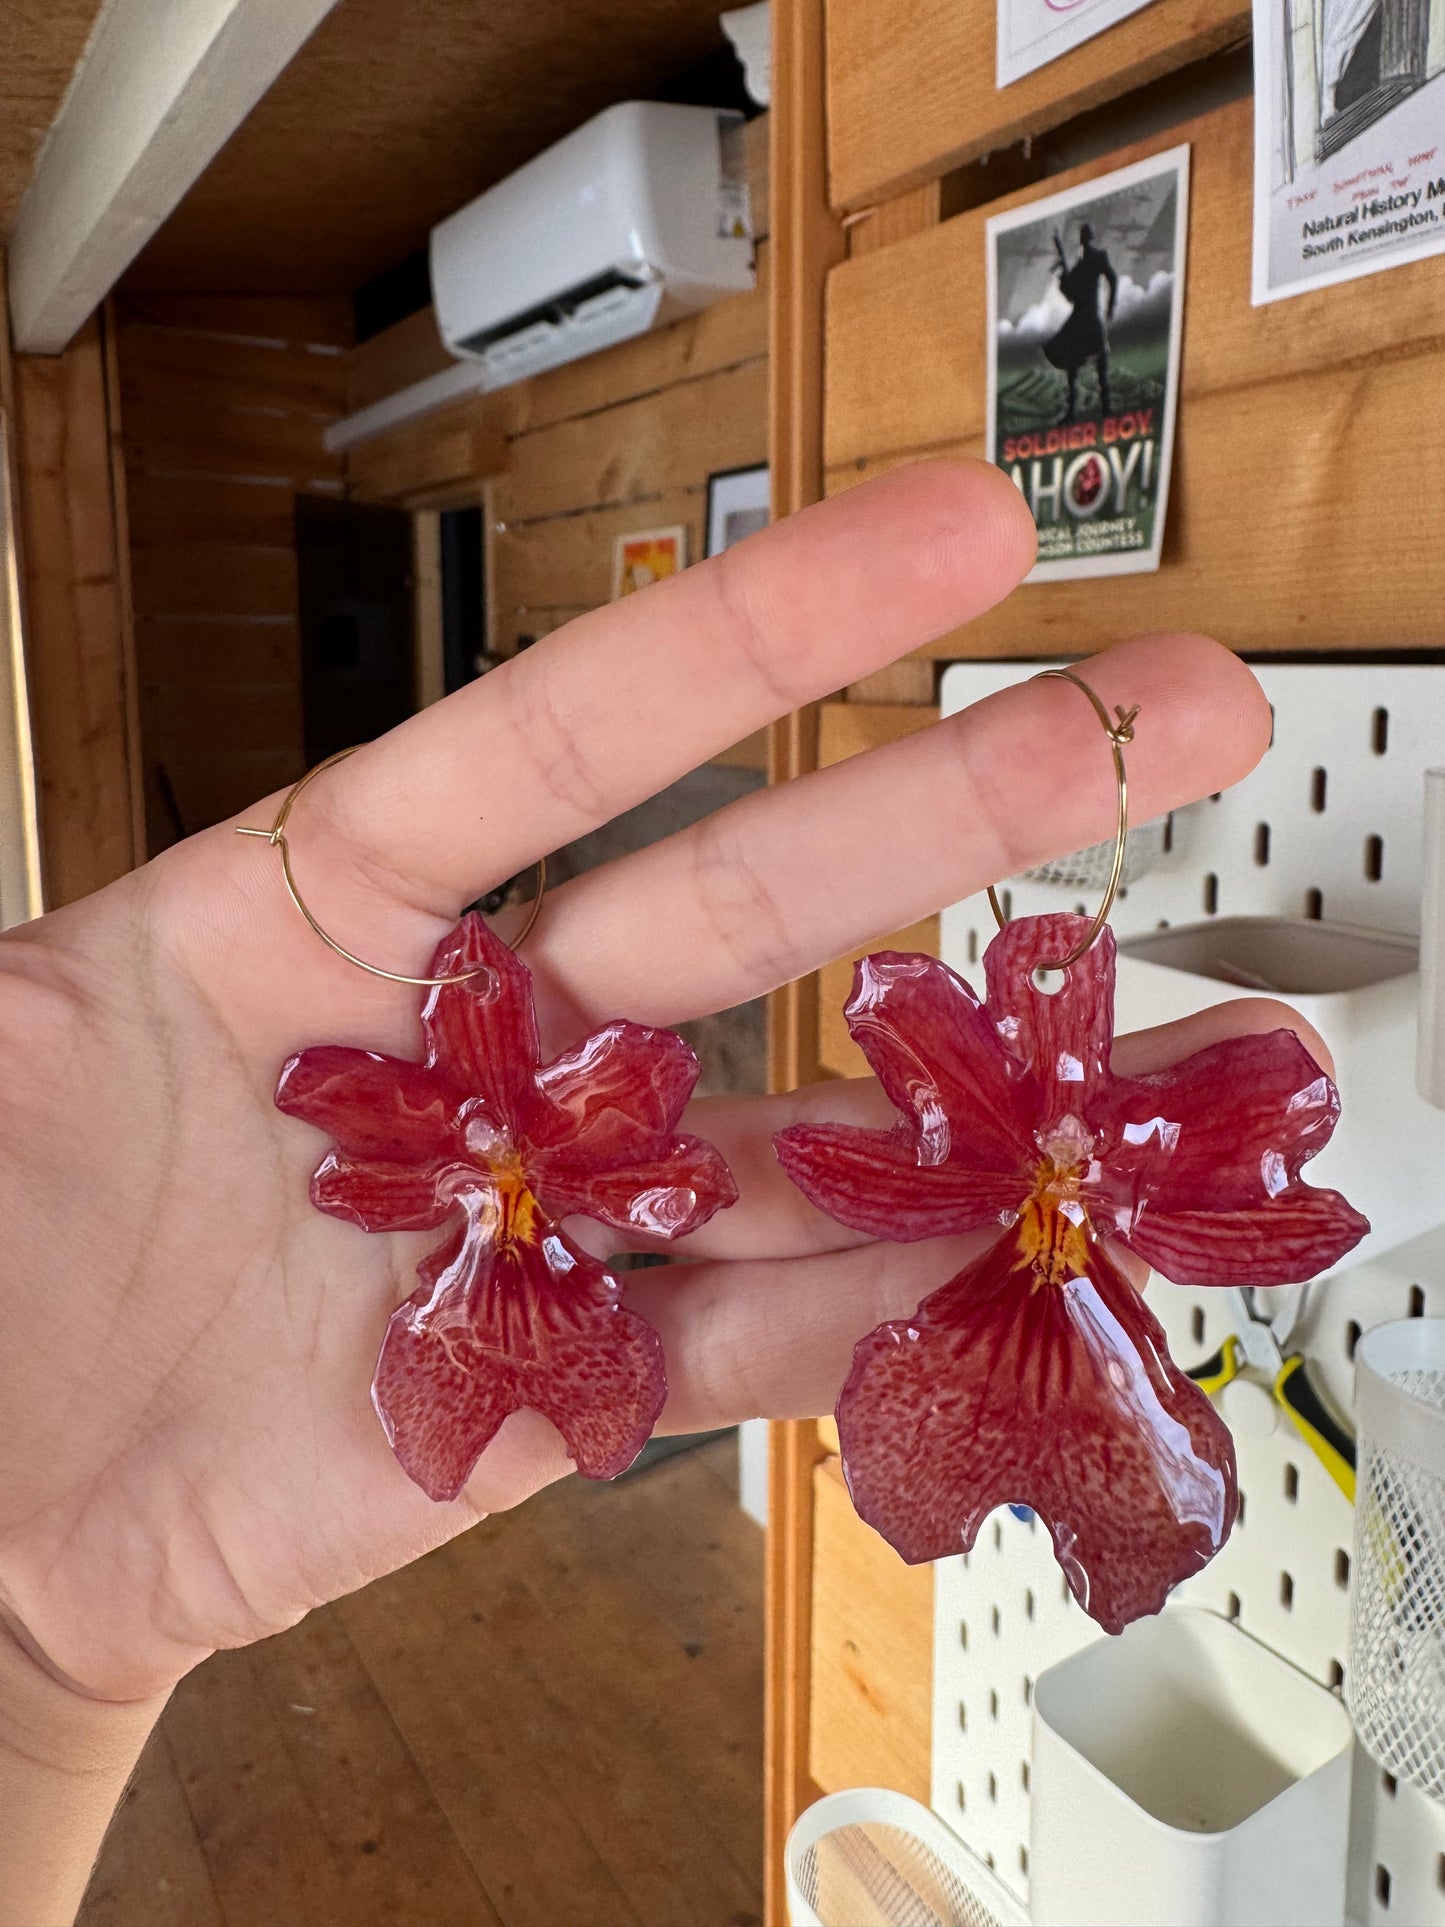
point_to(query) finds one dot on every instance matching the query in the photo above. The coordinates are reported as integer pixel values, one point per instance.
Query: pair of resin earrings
(1034, 1375)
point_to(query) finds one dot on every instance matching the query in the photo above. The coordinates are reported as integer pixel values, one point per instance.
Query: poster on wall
(1031, 33)
(1349, 139)
(642, 559)
(737, 505)
(1085, 309)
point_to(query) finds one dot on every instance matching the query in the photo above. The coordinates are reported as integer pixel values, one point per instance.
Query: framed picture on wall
(738, 505)
(646, 557)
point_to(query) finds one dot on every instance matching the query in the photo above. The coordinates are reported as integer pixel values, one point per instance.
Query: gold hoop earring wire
(276, 836)
(1120, 730)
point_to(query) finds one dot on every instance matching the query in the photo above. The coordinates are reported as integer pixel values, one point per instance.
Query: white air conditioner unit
(639, 216)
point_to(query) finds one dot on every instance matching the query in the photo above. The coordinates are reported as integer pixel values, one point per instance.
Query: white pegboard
(1004, 1614)
(1328, 825)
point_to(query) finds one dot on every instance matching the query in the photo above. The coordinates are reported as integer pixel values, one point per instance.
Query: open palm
(189, 1458)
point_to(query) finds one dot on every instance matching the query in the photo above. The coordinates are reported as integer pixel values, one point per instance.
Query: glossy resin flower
(1037, 1375)
(485, 1142)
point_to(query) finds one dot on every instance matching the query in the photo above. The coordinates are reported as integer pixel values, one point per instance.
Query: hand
(189, 1457)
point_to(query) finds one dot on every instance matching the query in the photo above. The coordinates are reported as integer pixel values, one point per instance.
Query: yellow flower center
(516, 1207)
(1053, 1225)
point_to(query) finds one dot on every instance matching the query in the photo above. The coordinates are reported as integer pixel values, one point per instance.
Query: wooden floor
(556, 1721)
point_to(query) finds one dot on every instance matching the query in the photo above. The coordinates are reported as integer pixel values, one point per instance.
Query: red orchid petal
(373, 1106)
(936, 1054)
(483, 1032)
(665, 1197)
(379, 1196)
(1231, 1126)
(1064, 1036)
(872, 1181)
(624, 1086)
(1059, 1397)
(498, 1328)
(1283, 1241)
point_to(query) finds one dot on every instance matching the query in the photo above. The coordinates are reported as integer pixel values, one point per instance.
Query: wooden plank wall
(1287, 525)
(622, 441)
(224, 401)
(70, 511)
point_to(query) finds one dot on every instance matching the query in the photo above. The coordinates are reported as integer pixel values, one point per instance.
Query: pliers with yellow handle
(1257, 1349)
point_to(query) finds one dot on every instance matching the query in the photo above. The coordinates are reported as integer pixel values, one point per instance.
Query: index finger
(622, 702)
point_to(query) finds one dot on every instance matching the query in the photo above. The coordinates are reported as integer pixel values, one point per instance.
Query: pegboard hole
(1314, 905)
(1169, 833)
(1196, 1324)
(1374, 858)
(997, 1623)
(993, 1788)
(1390, 1785)
(1029, 1602)
(1417, 1301)
(1319, 786)
(1382, 1883)
(1211, 893)
(1024, 1774)
(992, 1704)
(1352, 1337)
(1239, 1515)
(1342, 1569)
(1273, 720)
(1380, 731)
(1336, 1677)
(1006, 899)
(1028, 1691)
(998, 1547)
(963, 1634)
(1440, 1873)
(1023, 1858)
(989, 1862)
(1291, 1482)
(1261, 844)
(973, 946)
(962, 1798)
(1231, 1606)
(1286, 1591)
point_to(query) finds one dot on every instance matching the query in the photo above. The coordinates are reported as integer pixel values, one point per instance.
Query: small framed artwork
(737, 506)
(646, 557)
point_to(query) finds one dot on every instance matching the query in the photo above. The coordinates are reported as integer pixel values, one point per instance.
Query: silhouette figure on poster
(1085, 335)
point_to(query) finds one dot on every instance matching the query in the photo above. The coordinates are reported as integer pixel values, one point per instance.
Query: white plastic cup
(1183, 1776)
(1396, 1677)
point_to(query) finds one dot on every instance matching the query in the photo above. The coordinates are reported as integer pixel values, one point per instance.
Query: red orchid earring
(1037, 1375)
(485, 1143)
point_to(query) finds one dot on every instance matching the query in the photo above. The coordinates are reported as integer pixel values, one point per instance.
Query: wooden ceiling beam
(157, 93)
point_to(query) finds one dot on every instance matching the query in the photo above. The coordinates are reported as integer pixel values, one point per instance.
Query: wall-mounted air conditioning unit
(639, 216)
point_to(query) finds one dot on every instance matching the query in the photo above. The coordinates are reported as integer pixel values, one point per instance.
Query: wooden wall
(224, 401)
(620, 442)
(624, 440)
(74, 592)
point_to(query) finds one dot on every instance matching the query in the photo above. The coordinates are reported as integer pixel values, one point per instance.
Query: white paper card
(1031, 33)
(1349, 139)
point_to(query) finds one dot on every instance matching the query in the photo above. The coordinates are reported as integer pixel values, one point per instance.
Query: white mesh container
(1396, 1679)
(871, 1857)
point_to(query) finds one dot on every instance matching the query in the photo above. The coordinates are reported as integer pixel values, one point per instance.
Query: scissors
(1258, 1348)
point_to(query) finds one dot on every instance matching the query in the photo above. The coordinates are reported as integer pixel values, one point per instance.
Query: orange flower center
(516, 1208)
(1053, 1225)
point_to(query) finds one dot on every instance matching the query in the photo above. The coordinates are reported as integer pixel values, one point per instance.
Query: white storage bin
(1396, 1679)
(1186, 1776)
(871, 1857)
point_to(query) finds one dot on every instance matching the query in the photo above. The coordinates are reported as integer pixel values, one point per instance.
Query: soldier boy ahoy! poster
(1085, 309)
